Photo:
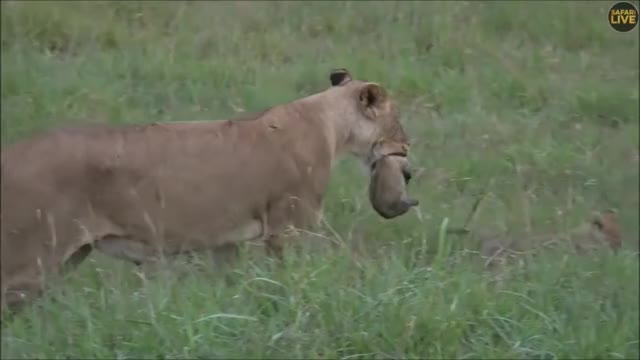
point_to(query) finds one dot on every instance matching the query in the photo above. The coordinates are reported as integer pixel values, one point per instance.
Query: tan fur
(140, 192)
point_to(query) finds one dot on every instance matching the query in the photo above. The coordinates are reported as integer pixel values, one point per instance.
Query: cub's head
(375, 135)
(605, 229)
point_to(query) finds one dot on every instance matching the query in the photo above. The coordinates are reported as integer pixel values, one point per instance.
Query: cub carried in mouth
(390, 176)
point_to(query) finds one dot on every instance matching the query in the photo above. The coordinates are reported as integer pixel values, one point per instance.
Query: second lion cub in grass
(601, 231)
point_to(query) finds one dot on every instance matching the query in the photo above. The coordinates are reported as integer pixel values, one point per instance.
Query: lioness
(139, 192)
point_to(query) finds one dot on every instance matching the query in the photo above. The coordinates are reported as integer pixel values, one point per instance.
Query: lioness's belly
(137, 249)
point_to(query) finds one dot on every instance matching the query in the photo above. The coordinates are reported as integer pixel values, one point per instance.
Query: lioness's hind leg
(21, 293)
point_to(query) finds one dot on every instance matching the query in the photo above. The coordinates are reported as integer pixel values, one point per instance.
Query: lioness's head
(375, 133)
(375, 129)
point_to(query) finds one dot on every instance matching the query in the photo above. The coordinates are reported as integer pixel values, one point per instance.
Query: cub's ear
(372, 95)
(339, 77)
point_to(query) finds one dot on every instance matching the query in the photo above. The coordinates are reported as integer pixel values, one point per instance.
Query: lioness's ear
(372, 95)
(339, 77)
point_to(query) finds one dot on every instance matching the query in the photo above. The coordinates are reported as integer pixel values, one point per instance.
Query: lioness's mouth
(374, 162)
(382, 149)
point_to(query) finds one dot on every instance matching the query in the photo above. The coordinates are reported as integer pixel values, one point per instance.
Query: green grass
(535, 104)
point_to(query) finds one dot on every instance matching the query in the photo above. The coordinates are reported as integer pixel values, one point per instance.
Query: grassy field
(534, 104)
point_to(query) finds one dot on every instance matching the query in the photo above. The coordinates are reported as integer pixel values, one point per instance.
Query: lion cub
(601, 231)
(390, 176)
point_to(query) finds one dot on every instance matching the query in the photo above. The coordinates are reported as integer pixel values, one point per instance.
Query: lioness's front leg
(223, 255)
(275, 243)
(285, 219)
(275, 246)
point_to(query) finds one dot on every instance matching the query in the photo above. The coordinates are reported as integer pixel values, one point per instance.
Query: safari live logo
(623, 16)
